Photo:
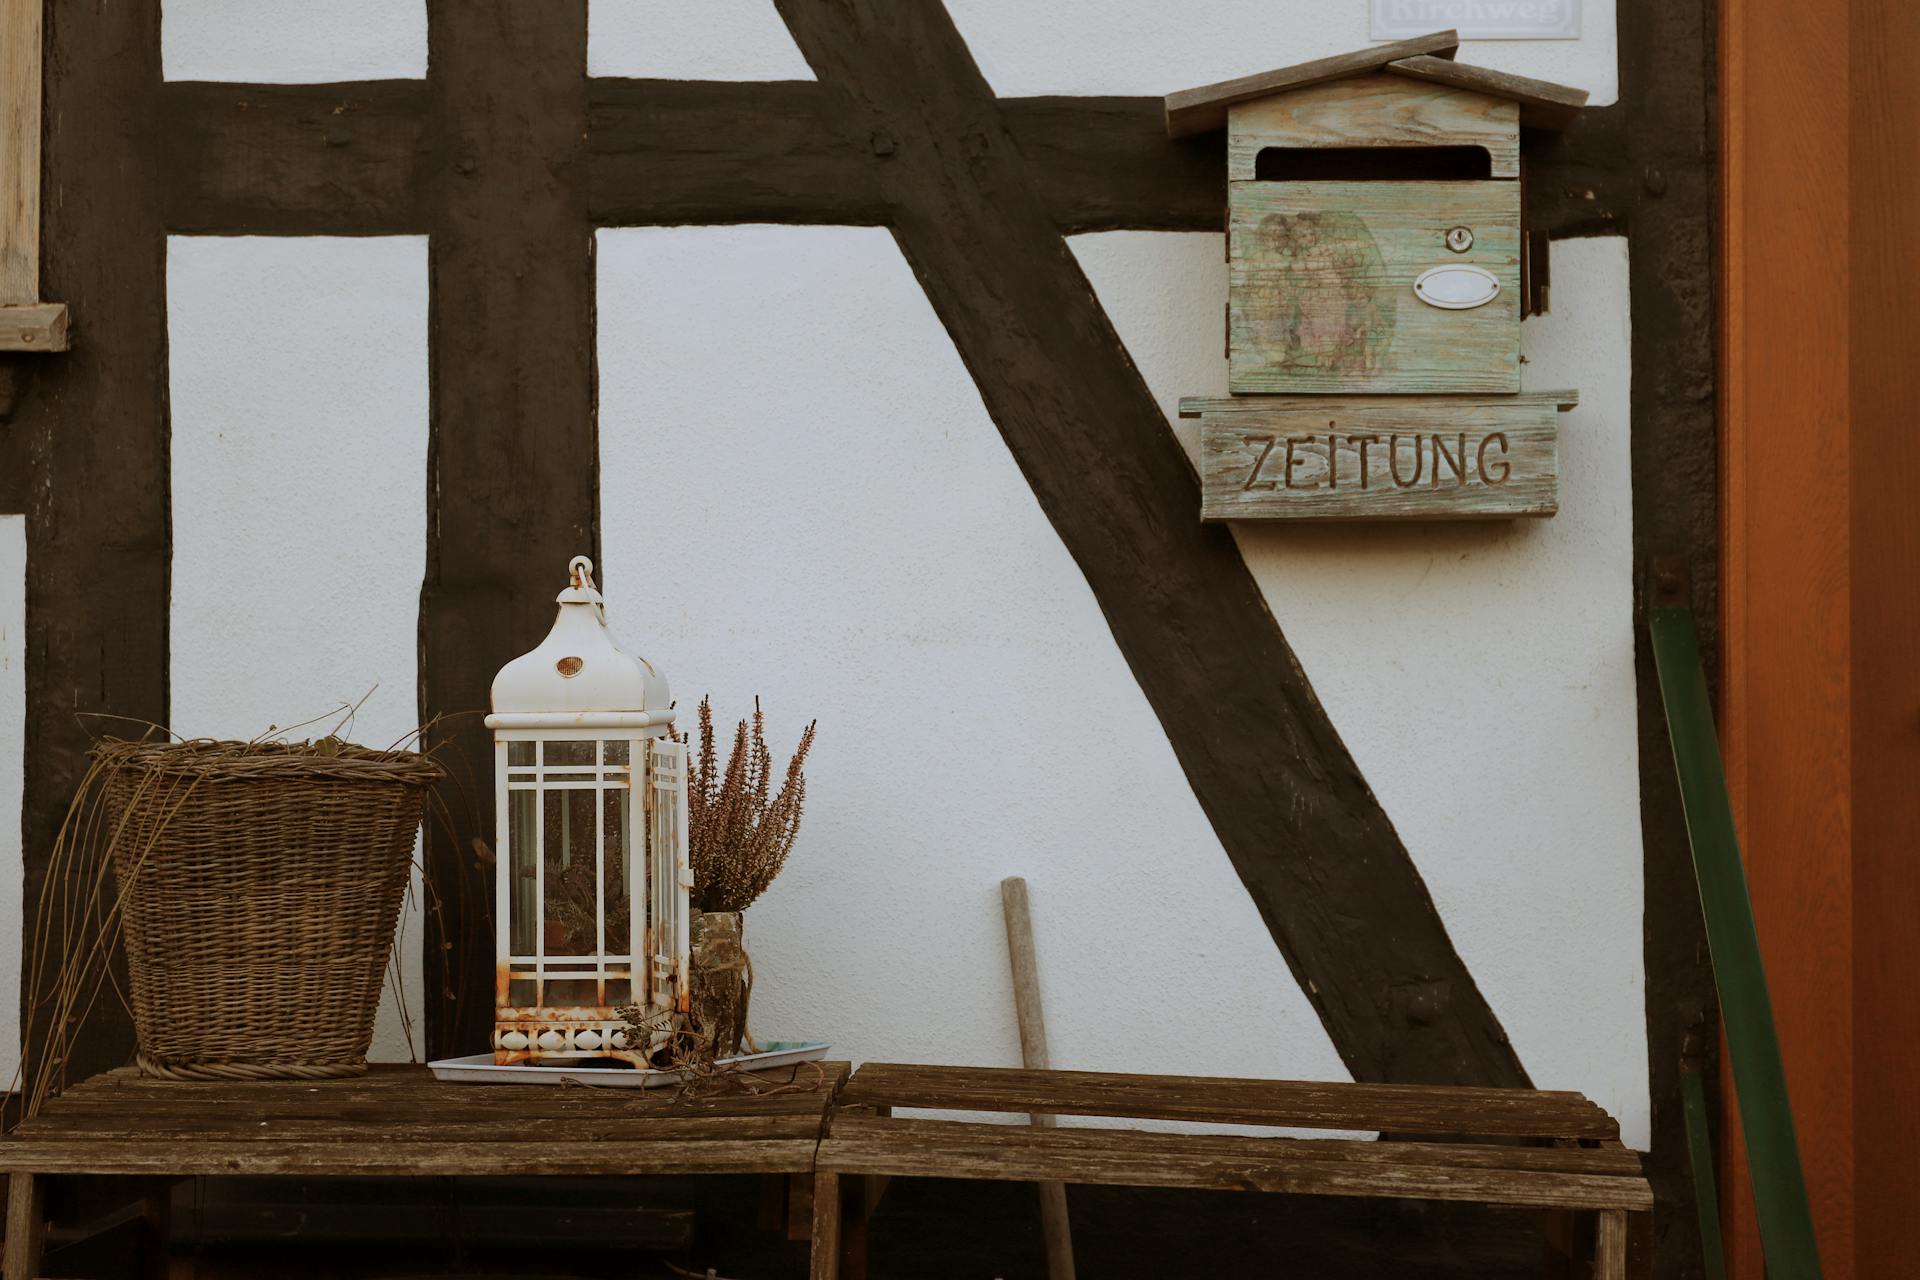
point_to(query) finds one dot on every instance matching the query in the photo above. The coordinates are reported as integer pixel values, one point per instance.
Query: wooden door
(1820, 684)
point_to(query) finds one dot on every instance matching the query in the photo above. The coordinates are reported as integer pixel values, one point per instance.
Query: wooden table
(399, 1121)
(1491, 1146)
(1511, 1147)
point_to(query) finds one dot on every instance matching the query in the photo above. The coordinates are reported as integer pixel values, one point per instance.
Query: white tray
(479, 1068)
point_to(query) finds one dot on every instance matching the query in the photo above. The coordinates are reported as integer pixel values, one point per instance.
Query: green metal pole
(1746, 1011)
(1706, 1197)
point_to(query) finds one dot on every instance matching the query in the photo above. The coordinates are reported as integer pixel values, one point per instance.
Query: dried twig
(740, 831)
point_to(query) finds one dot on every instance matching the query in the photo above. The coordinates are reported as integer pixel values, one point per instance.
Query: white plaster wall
(293, 41)
(691, 40)
(802, 496)
(13, 735)
(1482, 675)
(1097, 46)
(1071, 46)
(299, 394)
(849, 538)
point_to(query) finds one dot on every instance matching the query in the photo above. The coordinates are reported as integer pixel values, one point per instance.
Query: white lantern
(590, 867)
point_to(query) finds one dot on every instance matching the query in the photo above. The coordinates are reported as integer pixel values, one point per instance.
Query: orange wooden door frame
(1820, 710)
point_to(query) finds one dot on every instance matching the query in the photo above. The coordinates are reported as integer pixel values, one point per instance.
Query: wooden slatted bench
(398, 1121)
(1508, 1147)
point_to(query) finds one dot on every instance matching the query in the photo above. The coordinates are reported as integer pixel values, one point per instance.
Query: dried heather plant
(739, 829)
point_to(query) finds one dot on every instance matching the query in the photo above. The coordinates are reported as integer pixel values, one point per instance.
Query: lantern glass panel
(568, 849)
(618, 935)
(522, 838)
(520, 755)
(586, 913)
(571, 751)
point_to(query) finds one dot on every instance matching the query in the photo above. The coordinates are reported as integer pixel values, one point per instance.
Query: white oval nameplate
(1456, 286)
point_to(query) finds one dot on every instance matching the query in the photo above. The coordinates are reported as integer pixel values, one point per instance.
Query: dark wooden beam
(668, 152)
(16, 473)
(306, 159)
(1660, 146)
(1329, 874)
(1106, 164)
(665, 152)
(1582, 181)
(356, 159)
(96, 430)
(512, 457)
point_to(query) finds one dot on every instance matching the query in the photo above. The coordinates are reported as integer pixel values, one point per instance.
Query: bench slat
(189, 1127)
(1421, 1109)
(537, 1152)
(931, 1134)
(1298, 1167)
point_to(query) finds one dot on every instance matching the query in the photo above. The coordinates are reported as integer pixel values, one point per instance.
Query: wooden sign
(1379, 457)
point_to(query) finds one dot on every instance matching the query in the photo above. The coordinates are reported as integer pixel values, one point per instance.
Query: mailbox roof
(1543, 104)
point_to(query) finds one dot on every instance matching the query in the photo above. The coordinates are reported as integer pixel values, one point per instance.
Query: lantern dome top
(579, 676)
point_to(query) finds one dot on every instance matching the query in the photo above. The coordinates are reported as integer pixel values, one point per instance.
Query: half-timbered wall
(860, 387)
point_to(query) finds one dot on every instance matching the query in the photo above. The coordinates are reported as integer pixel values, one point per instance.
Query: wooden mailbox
(1376, 254)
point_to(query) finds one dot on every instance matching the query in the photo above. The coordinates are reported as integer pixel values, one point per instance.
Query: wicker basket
(260, 886)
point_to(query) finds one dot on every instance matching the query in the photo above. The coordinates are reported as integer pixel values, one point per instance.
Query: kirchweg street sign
(1478, 19)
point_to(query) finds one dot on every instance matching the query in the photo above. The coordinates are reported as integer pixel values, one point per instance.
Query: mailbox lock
(1460, 239)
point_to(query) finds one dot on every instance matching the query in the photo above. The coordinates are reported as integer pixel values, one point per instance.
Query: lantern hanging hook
(580, 571)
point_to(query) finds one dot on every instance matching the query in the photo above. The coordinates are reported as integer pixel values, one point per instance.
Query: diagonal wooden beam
(513, 451)
(1319, 856)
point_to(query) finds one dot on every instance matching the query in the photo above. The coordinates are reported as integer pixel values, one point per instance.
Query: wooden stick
(1055, 1229)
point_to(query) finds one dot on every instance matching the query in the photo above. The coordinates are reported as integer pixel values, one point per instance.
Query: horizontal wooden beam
(664, 152)
(1105, 164)
(674, 152)
(38, 326)
(362, 159)
(307, 159)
